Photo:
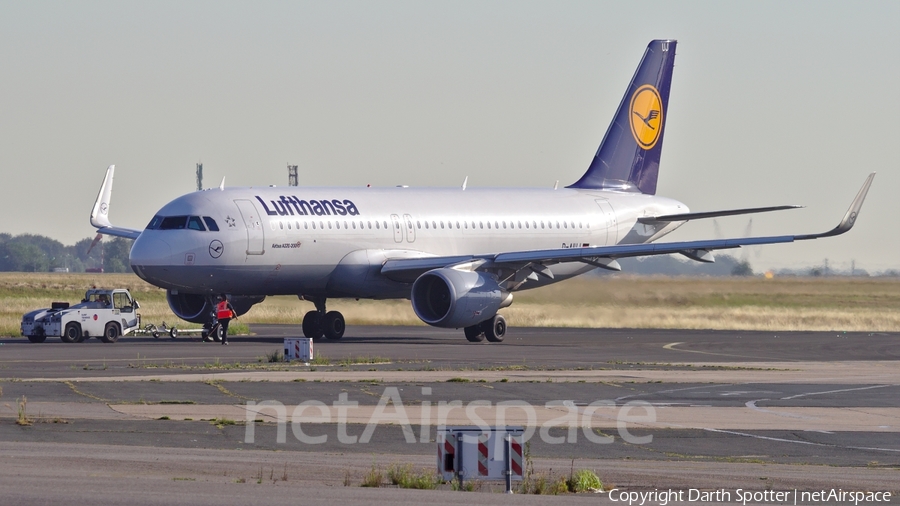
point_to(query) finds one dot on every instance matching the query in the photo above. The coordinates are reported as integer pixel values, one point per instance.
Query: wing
(100, 212)
(407, 270)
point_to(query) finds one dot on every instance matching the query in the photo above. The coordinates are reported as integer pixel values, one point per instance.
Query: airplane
(458, 254)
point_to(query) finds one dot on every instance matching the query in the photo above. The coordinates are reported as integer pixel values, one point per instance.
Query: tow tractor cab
(103, 313)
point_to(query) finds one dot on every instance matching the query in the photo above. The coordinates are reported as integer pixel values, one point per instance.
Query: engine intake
(449, 298)
(198, 308)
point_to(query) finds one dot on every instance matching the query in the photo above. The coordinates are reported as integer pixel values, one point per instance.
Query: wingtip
(850, 216)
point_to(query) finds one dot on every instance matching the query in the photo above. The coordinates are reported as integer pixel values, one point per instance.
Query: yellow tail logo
(646, 116)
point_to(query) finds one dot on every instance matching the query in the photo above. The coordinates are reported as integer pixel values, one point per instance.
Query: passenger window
(281, 225)
(354, 225)
(489, 225)
(377, 226)
(385, 225)
(419, 224)
(314, 225)
(329, 224)
(481, 224)
(426, 225)
(504, 223)
(434, 225)
(306, 225)
(496, 225)
(442, 225)
(526, 224)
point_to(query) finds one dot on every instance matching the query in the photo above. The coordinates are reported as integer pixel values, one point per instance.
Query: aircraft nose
(150, 251)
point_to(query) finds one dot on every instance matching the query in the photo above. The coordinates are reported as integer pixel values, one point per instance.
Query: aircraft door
(398, 230)
(608, 221)
(410, 228)
(252, 220)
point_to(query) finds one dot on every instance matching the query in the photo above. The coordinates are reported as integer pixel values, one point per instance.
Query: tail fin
(628, 157)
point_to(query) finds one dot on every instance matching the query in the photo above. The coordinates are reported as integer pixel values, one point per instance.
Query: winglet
(849, 218)
(100, 213)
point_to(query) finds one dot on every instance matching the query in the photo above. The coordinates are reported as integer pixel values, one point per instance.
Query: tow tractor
(103, 313)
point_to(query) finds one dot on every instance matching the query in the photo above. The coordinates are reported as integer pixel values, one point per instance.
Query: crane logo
(646, 116)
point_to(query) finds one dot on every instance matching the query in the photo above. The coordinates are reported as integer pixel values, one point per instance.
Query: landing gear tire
(474, 334)
(312, 325)
(334, 326)
(72, 333)
(110, 333)
(495, 329)
(214, 334)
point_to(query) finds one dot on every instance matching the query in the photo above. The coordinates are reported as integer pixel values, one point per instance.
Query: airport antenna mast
(292, 175)
(199, 177)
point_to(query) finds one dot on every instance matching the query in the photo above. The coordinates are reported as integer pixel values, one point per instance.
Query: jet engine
(198, 308)
(450, 298)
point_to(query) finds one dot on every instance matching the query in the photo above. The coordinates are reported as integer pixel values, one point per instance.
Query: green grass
(374, 478)
(584, 480)
(404, 477)
(621, 301)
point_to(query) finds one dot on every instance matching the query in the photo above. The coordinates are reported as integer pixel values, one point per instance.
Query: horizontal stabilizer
(713, 214)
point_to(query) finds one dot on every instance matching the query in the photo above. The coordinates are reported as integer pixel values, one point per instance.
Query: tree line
(37, 253)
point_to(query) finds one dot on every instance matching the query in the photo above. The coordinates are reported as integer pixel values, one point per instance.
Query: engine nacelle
(198, 308)
(452, 299)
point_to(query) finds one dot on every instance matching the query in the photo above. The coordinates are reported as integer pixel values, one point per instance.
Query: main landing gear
(319, 323)
(494, 330)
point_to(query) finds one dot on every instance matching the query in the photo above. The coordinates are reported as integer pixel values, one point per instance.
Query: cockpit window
(211, 224)
(194, 223)
(173, 223)
(182, 222)
(154, 223)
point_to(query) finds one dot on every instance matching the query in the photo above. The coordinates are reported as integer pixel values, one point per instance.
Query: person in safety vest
(224, 313)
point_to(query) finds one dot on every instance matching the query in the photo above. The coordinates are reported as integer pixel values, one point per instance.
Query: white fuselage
(332, 241)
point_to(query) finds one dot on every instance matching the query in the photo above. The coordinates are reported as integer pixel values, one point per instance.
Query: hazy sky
(772, 103)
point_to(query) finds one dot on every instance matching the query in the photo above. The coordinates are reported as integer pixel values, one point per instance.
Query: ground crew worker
(224, 313)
